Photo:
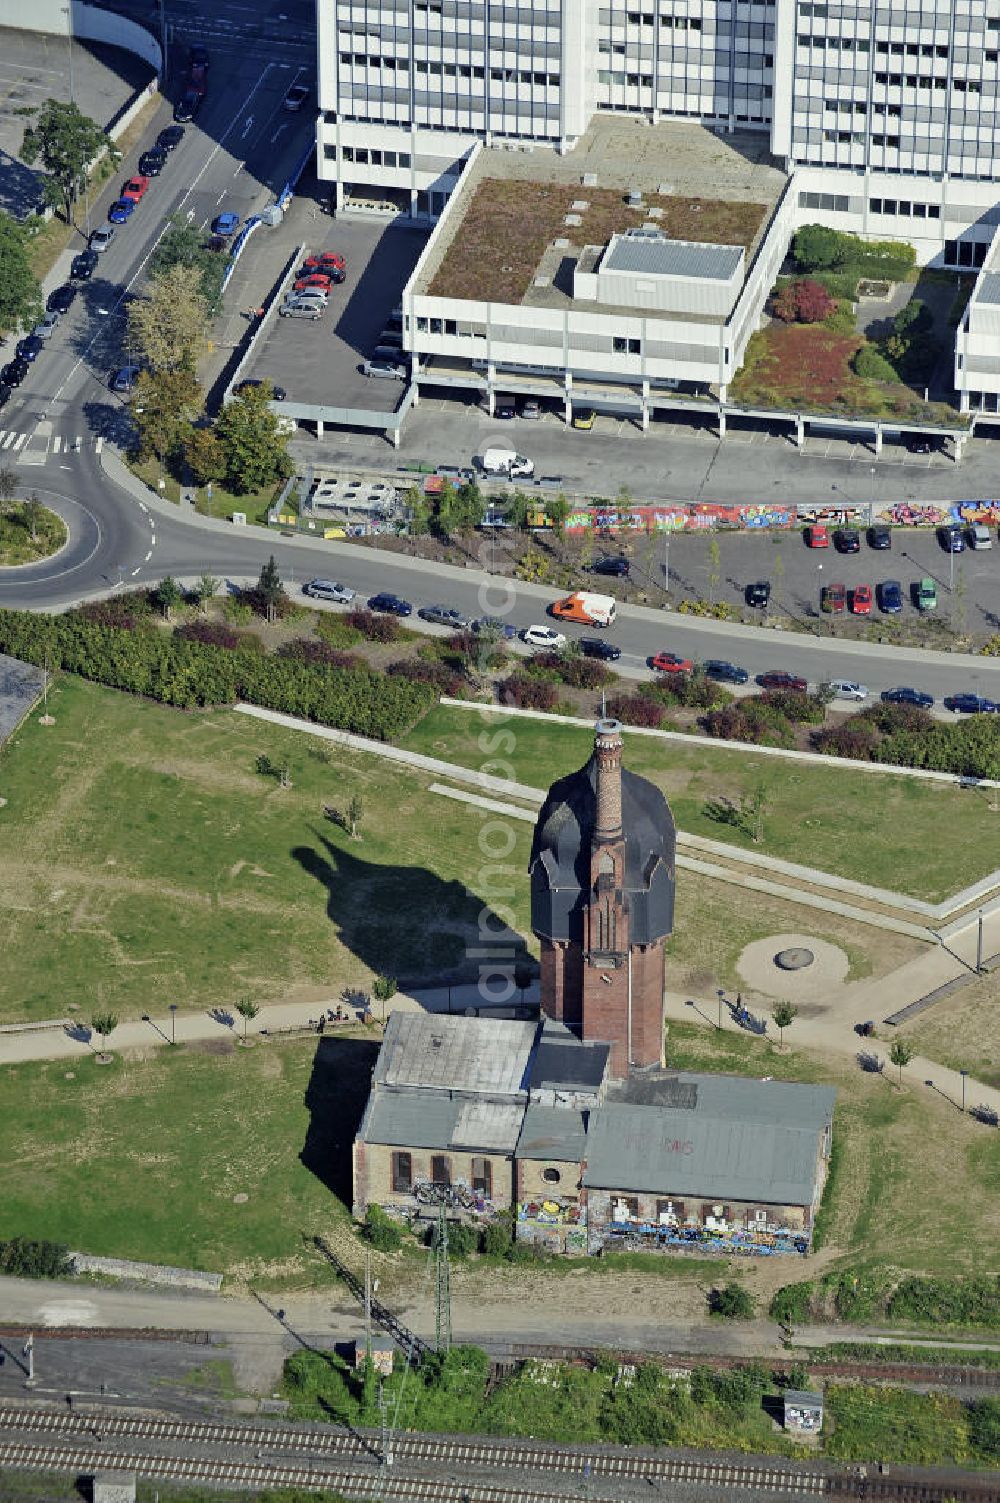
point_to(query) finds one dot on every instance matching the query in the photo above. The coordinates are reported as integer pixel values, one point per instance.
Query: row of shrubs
(860, 1297)
(23, 1259)
(190, 673)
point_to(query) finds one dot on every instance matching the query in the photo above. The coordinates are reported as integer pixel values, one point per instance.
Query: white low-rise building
(977, 344)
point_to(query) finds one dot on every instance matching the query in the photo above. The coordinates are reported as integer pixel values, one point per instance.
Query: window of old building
(440, 1169)
(551, 1176)
(402, 1172)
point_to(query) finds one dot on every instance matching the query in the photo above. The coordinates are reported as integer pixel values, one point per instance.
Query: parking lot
(319, 363)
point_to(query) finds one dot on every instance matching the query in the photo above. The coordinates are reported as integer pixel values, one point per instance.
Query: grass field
(144, 860)
(901, 833)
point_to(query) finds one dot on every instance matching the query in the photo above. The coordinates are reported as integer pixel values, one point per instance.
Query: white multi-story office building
(900, 92)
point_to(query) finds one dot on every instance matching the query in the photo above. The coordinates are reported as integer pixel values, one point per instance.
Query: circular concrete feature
(795, 959)
(814, 981)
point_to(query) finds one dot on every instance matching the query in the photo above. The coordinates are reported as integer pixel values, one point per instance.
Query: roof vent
(665, 189)
(542, 282)
(589, 180)
(436, 1042)
(634, 199)
(561, 244)
(580, 205)
(654, 213)
(573, 219)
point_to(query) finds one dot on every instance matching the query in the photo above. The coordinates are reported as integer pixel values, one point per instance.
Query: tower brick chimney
(608, 753)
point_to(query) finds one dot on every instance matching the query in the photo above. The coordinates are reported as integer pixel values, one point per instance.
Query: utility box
(383, 1351)
(803, 1412)
(113, 1487)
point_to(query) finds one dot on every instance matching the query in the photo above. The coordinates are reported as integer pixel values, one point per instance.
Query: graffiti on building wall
(562, 1212)
(695, 518)
(734, 1241)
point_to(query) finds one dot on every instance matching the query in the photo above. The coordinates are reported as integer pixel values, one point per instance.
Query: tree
(384, 988)
(355, 814)
(33, 512)
(167, 326)
(731, 1301)
(183, 244)
(66, 142)
(714, 567)
(203, 455)
(164, 403)
(104, 1025)
(20, 290)
(247, 1010)
(913, 319)
(871, 365)
(817, 248)
(443, 518)
(206, 589)
(901, 1053)
(419, 512)
(8, 487)
(784, 1014)
(803, 301)
(753, 807)
(519, 509)
(557, 509)
(270, 588)
(255, 447)
(168, 595)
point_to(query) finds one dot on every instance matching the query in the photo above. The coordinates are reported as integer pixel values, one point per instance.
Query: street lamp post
(173, 1022)
(963, 1074)
(721, 999)
(819, 600)
(979, 943)
(666, 560)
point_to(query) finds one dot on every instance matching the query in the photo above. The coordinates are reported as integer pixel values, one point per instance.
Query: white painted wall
(89, 24)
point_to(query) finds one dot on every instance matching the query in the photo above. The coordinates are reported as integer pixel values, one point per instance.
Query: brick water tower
(602, 903)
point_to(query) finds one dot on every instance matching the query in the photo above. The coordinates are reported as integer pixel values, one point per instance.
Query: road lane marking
(99, 446)
(20, 439)
(143, 506)
(149, 555)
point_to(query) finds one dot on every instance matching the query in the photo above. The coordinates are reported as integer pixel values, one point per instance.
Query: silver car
(102, 238)
(385, 370)
(301, 310)
(328, 589)
(47, 327)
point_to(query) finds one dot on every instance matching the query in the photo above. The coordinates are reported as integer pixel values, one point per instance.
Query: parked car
(47, 326)
(390, 339)
(307, 308)
(502, 629)
(833, 599)
(390, 605)
(316, 295)
(136, 187)
(847, 540)
(543, 636)
(669, 662)
(817, 537)
(879, 538)
(461, 474)
(61, 299)
(906, 696)
(278, 393)
(951, 538)
(970, 704)
(14, 372)
(121, 210)
(325, 261)
(5, 394)
(925, 595)
(29, 348)
(102, 238)
(584, 419)
(328, 589)
(170, 137)
(758, 595)
(197, 56)
(775, 679)
(313, 281)
(504, 410)
(616, 568)
(123, 379)
(444, 615)
(845, 688)
(890, 597)
(83, 265)
(859, 600)
(198, 77)
(296, 96)
(383, 370)
(725, 673)
(187, 106)
(979, 536)
(596, 647)
(225, 224)
(152, 162)
(327, 275)
(531, 409)
(922, 445)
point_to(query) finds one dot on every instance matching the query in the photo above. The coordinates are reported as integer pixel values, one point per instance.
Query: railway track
(324, 1456)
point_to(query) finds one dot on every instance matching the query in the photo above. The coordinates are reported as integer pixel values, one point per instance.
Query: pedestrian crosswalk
(12, 442)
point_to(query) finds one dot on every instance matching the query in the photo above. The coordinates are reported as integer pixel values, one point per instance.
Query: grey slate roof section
(803, 1398)
(657, 256)
(560, 857)
(429, 1119)
(553, 1132)
(989, 287)
(677, 1152)
(488, 1055)
(563, 1062)
(732, 1098)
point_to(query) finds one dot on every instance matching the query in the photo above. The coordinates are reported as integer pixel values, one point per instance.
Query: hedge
(191, 674)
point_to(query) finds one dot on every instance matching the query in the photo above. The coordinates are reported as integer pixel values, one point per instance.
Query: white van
(979, 536)
(507, 462)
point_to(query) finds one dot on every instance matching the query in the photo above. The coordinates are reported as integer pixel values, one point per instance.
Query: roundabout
(30, 533)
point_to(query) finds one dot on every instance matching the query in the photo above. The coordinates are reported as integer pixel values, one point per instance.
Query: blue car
(970, 704)
(391, 605)
(890, 597)
(908, 697)
(30, 348)
(725, 673)
(225, 224)
(120, 210)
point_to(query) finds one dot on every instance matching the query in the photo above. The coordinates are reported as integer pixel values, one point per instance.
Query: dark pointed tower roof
(565, 834)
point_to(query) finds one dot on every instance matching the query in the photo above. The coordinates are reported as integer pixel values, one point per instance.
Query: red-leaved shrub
(528, 693)
(219, 634)
(374, 626)
(636, 709)
(308, 650)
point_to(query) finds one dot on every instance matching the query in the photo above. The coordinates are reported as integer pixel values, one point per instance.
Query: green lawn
(901, 833)
(17, 546)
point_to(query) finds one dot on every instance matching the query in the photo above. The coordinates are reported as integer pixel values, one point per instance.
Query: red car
(198, 77)
(669, 662)
(833, 599)
(323, 260)
(776, 680)
(314, 279)
(861, 600)
(817, 537)
(135, 188)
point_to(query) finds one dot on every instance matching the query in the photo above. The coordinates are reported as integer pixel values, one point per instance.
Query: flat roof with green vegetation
(508, 223)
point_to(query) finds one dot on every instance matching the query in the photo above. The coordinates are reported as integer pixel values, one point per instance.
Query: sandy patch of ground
(810, 989)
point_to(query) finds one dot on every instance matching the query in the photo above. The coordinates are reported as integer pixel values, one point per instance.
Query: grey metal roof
(553, 1132)
(989, 287)
(731, 1098)
(564, 1062)
(803, 1399)
(655, 255)
(429, 1119)
(489, 1055)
